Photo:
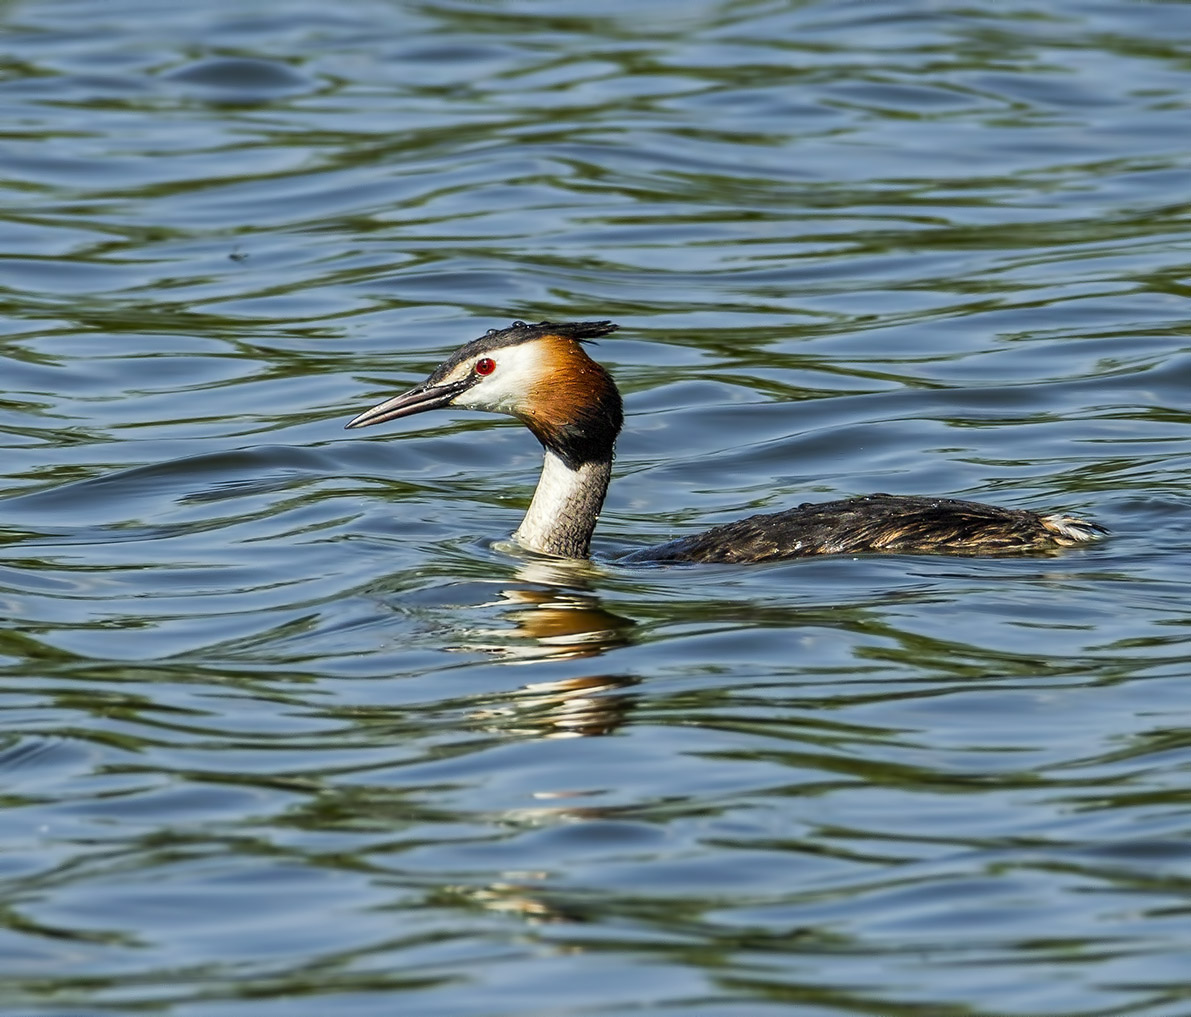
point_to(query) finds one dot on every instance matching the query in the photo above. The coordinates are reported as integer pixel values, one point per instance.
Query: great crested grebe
(541, 375)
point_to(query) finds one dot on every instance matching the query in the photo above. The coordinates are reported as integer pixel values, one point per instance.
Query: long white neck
(565, 508)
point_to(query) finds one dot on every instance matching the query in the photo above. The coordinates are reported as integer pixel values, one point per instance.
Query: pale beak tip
(416, 400)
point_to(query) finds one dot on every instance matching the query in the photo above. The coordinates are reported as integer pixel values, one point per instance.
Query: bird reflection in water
(547, 614)
(565, 708)
(553, 617)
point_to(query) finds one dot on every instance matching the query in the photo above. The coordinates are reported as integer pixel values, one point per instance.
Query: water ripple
(284, 733)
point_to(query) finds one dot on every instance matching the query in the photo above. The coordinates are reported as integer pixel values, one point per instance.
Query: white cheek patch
(505, 389)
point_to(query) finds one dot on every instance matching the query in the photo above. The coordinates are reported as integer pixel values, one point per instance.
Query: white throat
(565, 507)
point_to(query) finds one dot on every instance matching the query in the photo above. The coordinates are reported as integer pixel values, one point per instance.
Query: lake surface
(290, 729)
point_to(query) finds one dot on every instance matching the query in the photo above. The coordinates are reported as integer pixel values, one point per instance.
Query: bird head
(539, 374)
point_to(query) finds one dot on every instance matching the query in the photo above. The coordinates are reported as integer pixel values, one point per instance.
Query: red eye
(485, 365)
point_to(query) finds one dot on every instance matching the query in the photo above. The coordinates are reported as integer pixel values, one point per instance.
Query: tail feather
(1070, 530)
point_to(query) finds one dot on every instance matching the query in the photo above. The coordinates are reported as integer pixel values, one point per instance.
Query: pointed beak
(416, 400)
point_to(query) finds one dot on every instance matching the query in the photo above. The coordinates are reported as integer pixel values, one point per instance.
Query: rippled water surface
(289, 729)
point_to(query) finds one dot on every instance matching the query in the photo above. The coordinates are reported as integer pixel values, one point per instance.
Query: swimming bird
(542, 375)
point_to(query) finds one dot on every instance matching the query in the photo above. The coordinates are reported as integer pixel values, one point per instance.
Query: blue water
(289, 728)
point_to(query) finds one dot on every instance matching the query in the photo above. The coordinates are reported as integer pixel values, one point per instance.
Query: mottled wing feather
(877, 522)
